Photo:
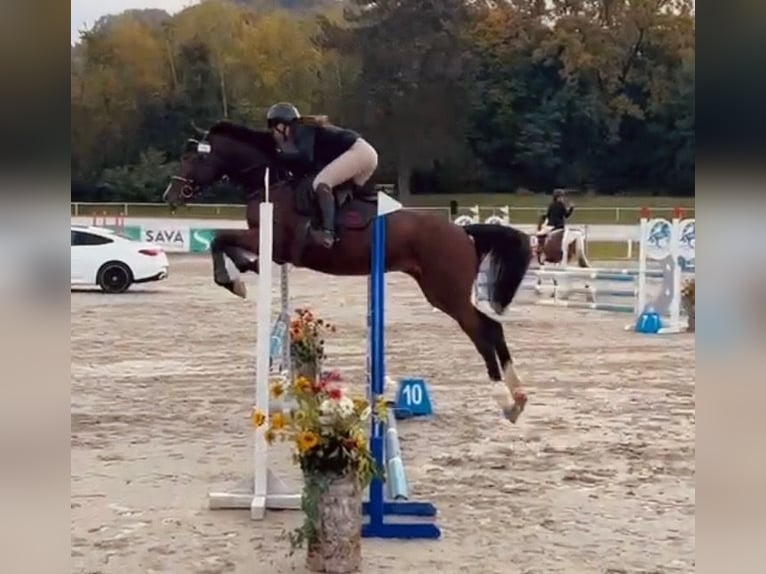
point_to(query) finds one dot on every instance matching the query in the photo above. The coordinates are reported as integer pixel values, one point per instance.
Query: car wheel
(114, 277)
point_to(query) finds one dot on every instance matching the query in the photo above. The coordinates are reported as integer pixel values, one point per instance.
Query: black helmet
(282, 113)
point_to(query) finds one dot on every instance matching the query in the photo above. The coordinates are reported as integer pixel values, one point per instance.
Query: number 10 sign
(413, 399)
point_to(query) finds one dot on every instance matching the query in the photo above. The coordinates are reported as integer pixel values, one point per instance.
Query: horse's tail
(510, 254)
(577, 246)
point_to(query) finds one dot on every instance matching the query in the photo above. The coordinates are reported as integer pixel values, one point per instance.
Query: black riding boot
(327, 205)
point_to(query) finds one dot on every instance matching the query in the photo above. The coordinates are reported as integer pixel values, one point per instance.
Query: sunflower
(258, 417)
(303, 384)
(277, 421)
(277, 389)
(307, 440)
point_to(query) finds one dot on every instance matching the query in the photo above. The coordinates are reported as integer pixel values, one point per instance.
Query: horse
(443, 258)
(549, 248)
(555, 242)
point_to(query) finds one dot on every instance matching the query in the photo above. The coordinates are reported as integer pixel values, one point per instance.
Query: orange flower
(277, 421)
(303, 384)
(277, 390)
(258, 417)
(307, 440)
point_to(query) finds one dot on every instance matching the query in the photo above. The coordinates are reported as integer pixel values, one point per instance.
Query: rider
(559, 210)
(338, 154)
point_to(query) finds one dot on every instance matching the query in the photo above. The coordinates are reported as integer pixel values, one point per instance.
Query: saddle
(355, 206)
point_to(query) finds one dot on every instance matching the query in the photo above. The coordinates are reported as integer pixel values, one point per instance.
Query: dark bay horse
(443, 258)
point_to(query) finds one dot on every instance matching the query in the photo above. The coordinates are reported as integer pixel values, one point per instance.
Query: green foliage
(144, 181)
(596, 94)
(589, 94)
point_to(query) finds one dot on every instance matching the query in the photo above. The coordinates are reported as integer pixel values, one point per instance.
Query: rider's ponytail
(320, 121)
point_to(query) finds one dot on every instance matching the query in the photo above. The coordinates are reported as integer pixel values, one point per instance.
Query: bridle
(189, 187)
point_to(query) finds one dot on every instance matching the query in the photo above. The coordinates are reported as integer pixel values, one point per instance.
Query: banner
(173, 238)
(131, 232)
(200, 239)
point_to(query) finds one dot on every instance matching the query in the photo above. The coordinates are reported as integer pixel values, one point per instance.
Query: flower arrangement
(307, 342)
(688, 300)
(327, 428)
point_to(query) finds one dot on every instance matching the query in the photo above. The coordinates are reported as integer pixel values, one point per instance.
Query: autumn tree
(455, 95)
(573, 92)
(410, 92)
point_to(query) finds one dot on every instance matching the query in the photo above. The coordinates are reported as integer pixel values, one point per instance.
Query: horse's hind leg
(453, 297)
(495, 333)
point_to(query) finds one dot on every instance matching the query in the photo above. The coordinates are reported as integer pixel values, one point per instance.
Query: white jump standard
(265, 489)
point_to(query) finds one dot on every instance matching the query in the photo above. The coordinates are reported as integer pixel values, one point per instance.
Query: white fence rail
(525, 214)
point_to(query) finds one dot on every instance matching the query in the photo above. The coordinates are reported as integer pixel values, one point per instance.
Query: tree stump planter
(336, 547)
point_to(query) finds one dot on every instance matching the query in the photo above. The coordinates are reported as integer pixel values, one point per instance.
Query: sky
(86, 12)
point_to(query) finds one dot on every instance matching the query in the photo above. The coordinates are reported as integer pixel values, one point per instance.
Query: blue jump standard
(378, 508)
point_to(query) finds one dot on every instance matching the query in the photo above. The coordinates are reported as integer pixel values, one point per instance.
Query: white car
(112, 261)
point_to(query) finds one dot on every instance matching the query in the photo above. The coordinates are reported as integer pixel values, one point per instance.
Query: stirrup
(325, 238)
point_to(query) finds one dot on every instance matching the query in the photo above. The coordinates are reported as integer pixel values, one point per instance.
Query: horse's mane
(259, 139)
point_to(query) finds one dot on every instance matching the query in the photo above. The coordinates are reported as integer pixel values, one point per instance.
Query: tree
(454, 94)
(567, 91)
(143, 181)
(121, 69)
(411, 85)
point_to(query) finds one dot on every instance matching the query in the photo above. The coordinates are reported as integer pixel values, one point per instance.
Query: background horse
(442, 257)
(554, 245)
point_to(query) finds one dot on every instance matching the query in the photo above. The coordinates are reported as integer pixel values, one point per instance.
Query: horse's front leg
(240, 248)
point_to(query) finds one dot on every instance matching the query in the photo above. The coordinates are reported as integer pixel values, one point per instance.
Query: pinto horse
(552, 248)
(443, 258)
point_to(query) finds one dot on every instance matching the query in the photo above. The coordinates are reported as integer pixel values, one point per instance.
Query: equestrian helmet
(282, 113)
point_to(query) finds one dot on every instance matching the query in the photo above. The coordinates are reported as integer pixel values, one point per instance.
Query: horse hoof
(512, 413)
(239, 288)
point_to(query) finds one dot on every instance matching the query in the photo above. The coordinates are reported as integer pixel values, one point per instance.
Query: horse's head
(226, 151)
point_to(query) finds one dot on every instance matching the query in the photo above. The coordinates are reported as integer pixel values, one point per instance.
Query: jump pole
(266, 490)
(377, 508)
